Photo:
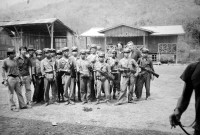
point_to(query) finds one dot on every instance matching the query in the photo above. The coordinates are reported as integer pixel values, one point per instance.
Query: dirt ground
(140, 118)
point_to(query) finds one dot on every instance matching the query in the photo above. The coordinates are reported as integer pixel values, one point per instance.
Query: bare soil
(141, 117)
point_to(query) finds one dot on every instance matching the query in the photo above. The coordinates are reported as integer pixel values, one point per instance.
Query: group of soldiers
(120, 74)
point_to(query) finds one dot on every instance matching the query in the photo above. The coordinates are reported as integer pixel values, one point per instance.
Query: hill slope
(81, 15)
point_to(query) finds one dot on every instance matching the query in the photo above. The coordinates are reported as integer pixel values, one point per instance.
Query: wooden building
(158, 39)
(5, 42)
(42, 33)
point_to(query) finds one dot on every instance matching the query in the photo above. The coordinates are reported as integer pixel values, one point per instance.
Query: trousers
(26, 80)
(143, 80)
(14, 85)
(66, 80)
(47, 85)
(124, 83)
(85, 88)
(103, 85)
(38, 95)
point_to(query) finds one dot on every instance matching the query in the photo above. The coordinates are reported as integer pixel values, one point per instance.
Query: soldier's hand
(152, 77)
(20, 82)
(174, 118)
(136, 74)
(5, 83)
(111, 83)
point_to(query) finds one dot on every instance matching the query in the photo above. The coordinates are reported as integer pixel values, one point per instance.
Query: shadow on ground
(16, 126)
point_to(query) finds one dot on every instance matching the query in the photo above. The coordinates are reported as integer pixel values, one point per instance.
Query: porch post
(85, 42)
(21, 35)
(105, 45)
(144, 41)
(52, 30)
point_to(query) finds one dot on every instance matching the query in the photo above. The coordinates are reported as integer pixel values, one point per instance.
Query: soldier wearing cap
(53, 54)
(144, 78)
(128, 76)
(98, 49)
(113, 62)
(38, 95)
(65, 66)
(25, 68)
(59, 77)
(31, 52)
(87, 52)
(74, 75)
(49, 73)
(101, 81)
(84, 68)
(12, 79)
(93, 58)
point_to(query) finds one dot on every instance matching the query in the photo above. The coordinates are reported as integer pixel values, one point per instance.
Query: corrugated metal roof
(166, 30)
(157, 30)
(93, 32)
(19, 22)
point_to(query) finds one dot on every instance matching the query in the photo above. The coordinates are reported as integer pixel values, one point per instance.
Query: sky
(6, 3)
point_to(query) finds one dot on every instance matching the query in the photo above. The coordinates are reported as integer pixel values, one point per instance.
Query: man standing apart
(25, 69)
(12, 79)
(48, 72)
(144, 77)
(128, 74)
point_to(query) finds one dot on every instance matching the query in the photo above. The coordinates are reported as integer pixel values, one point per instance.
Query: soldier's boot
(97, 102)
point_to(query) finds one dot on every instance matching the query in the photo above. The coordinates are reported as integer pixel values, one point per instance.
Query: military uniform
(65, 66)
(127, 77)
(93, 58)
(38, 95)
(59, 78)
(83, 68)
(74, 75)
(48, 71)
(144, 77)
(113, 62)
(24, 64)
(11, 76)
(101, 81)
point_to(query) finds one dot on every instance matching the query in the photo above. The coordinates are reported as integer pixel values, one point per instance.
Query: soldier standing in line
(101, 81)
(98, 49)
(128, 75)
(120, 54)
(53, 54)
(92, 59)
(25, 68)
(144, 77)
(48, 72)
(31, 52)
(38, 95)
(65, 66)
(12, 79)
(74, 75)
(59, 76)
(84, 68)
(113, 62)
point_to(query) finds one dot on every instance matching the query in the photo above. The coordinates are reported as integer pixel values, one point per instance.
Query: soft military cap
(74, 48)
(145, 50)
(126, 50)
(22, 47)
(53, 50)
(31, 48)
(82, 51)
(39, 52)
(101, 54)
(87, 51)
(113, 51)
(11, 50)
(93, 46)
(65, 49)
(59, 52)
(46, 50)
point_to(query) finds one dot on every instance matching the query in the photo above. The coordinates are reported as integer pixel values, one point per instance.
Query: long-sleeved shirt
(83, 67)
(23, 64)
(47, 66)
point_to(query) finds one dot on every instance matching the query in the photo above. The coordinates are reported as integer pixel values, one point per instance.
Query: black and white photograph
(99, 67)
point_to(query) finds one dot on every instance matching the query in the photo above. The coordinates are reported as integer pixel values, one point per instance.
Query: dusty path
(141, 115)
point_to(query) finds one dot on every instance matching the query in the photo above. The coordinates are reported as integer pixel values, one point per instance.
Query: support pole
(144, 41)
(85, 42)
(105, 44)
(66, 39)
(21, 35)
(52, 30)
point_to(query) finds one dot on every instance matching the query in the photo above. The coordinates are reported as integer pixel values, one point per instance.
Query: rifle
(123, 70)
(150, 71)
(105, 74)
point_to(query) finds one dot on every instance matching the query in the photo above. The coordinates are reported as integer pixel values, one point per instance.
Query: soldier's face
(144, 54)
(119, 46)
(23, 51)
(83, 56)
(48, 54)
(31, 53)
(53, 54)
(12, 55)
(39, 56)
(59, 56)
(112, 55)
(74, 53)
(126, 55)
(93, 50)
(101, 59)
(66, 53)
